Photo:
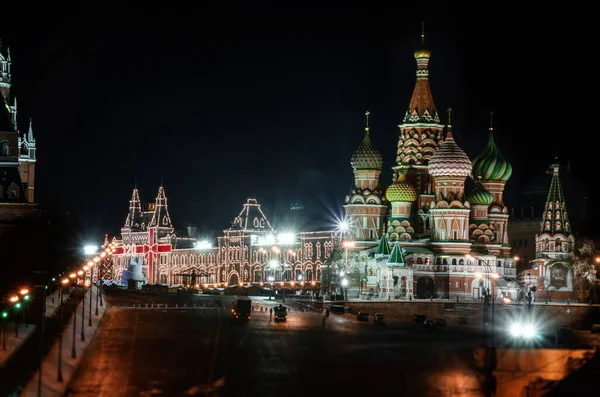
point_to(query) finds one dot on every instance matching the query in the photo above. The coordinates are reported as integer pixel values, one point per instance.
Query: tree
(585, 271)
(330, 269)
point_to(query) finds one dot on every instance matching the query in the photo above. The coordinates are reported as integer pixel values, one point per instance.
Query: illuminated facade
(424, 236)
(249, 252)
(17, 154)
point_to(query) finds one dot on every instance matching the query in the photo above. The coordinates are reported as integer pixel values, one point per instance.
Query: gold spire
(367, 124)
(422, 53)
(491, 121)
(449, 130)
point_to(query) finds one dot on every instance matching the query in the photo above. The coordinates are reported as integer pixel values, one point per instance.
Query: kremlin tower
(554, 244)
(366, 205)
(449, 166)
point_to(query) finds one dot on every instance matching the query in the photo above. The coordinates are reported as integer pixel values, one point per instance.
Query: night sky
(238, 103)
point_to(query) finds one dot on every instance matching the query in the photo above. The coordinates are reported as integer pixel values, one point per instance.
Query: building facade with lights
(249, 252)
(423, 236)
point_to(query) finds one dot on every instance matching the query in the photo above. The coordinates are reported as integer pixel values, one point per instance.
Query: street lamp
(73, 276)
(80, 273)
(488, 293)
(63, 283)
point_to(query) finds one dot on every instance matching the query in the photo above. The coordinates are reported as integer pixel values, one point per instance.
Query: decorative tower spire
(449, 126)
(30, 137)
(555, 242)
(366, 204)
(135, 210)
(161, 217)
(420, 132)
(555, 219)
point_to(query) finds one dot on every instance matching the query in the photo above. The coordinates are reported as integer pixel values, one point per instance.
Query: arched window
(4, 148)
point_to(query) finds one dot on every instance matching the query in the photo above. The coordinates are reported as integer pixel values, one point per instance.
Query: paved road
(175, 351)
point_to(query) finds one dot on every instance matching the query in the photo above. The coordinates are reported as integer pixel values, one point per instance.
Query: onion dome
(490, 164)
(401, 190)
(449, 159)
(366, 157)
(479, 195)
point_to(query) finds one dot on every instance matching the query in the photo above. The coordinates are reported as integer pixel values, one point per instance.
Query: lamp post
(73, 351)
(63, 282)
(95, 261)
(80, 273)
(489, 295)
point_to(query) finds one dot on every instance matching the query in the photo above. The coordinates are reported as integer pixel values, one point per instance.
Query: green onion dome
(401, 190)
(366, 157)
(479, 195)
(491, 165)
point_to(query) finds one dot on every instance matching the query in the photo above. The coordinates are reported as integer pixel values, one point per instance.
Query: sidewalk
(13, 343)
(50, 385)
(53, 302)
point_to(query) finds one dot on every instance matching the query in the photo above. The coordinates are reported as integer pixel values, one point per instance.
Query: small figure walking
(270, 314)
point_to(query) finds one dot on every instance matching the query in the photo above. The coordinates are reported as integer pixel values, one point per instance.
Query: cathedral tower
(449, 166)
(366, 205)
(402, 195)
(420, 132)
(492, 169)
(554, 244)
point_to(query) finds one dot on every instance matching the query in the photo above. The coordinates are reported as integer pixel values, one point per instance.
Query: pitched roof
(251, 218)
(396, 256)
(384, 247)
(160, 217)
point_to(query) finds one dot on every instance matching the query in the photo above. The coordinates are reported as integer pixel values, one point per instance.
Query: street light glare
(90, 249)
(343, 225)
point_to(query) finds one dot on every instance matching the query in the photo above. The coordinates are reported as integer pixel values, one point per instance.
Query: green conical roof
(383, 248)
(396, 255)
(555, 217)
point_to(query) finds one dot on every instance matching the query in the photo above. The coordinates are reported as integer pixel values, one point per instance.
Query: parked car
(429, 323)
(419, 318)
(362, 316)
(378, 318)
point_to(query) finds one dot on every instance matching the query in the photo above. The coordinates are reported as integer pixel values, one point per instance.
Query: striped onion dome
(449, 159)
(401, 190)
(366, 157)
(490, 164)
(479, 195)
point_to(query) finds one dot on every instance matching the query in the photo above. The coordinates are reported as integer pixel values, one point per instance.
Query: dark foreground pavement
(179, 351)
